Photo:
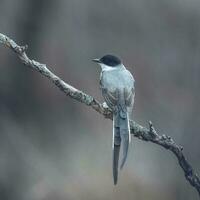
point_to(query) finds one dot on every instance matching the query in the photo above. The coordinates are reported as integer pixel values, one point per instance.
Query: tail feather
(125, 137)
(125, 143)
(116, 149)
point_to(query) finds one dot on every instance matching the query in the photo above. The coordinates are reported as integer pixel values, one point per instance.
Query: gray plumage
(117, 86)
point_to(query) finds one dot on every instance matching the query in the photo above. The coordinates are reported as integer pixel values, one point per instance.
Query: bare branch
(136, 129)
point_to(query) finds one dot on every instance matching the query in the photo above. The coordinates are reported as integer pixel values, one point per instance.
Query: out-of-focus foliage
(52, 147)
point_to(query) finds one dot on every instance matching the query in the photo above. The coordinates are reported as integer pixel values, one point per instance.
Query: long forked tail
(121, 134)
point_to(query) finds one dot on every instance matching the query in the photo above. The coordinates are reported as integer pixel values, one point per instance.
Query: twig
(136, 129)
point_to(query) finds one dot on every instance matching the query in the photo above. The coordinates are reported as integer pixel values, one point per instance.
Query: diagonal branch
(136, 129)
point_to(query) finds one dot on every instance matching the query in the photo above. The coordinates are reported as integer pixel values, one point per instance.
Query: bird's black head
(109, 60)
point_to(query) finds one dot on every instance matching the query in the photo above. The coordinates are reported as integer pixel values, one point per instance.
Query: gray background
(52, 147)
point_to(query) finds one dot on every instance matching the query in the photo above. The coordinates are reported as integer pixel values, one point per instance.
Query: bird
(117, 87)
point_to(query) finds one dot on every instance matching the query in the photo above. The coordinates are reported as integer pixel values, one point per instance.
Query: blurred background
(52, 147)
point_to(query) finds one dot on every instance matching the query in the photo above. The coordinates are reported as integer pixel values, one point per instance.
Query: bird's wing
(130, 92)
(110, 98)
(129, 97)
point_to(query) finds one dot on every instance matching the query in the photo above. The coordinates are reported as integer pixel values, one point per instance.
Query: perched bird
(117, 85)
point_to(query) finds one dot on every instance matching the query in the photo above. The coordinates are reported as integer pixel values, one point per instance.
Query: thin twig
(136, 129)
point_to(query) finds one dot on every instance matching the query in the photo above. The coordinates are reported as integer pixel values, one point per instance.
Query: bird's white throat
(109, 68)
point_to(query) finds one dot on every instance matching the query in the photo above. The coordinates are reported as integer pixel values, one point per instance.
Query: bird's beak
(96, 60)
